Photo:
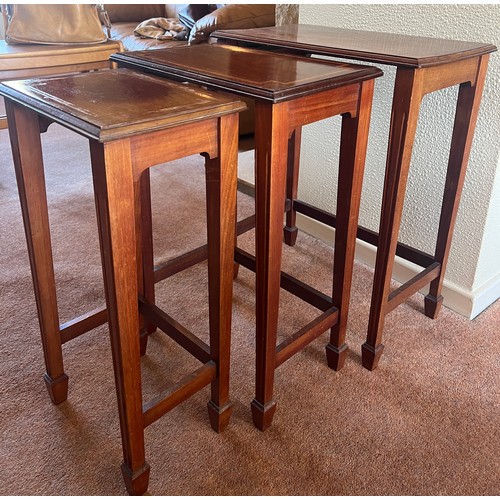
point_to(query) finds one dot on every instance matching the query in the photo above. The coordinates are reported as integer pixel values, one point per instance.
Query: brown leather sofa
(125, 18)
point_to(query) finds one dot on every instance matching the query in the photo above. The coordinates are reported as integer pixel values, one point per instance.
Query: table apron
(454, 73)
(178, 142)
(316, 107)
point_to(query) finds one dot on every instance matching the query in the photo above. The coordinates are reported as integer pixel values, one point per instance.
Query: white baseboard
(460, 300)
(485, 295)
(464, 302)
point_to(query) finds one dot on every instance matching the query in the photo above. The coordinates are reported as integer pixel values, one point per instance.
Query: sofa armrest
(233, 16)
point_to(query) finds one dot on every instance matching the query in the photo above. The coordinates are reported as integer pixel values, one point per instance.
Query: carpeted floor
(426, 422)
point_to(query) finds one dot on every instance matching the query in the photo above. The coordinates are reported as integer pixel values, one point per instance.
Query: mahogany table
(424, 65)
(289, 92)
(133, 121)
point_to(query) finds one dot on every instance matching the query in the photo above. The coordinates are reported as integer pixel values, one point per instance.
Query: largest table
(424, 65)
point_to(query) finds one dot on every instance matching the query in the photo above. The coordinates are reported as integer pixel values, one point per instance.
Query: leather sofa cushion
(193, 12)
(233, 16)
(119, 13)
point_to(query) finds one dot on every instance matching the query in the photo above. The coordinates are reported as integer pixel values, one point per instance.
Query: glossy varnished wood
(144, 250)
(292, 183)
(21, 61)
(469, 100)
(408, 93)
(28, 163)
(353, 144)
(135, 103)
(274, 127)
(114, 191)
(373, 46)
(122, 150)
(424, 65)
(251, 73)
(221, 181)
(410, 87)
(289, 92)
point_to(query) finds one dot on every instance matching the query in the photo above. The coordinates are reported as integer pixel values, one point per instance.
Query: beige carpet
(426, 422)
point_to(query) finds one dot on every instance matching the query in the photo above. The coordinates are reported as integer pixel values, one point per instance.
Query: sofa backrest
(122, 13)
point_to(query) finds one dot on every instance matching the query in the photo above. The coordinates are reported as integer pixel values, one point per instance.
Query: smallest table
(133, 122)
(289, 92)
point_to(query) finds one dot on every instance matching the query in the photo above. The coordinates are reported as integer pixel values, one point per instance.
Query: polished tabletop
(249, 72)
(373, 46)
(105, 105)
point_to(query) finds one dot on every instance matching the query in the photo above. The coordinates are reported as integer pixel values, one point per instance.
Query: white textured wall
(475, 255)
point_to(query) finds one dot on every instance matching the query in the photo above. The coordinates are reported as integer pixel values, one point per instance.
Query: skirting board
(466, 303)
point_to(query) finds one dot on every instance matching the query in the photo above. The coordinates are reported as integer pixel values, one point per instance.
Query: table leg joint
(292, 285)
(412, 286)
(306, 335)
(189, 385)
(176, 331)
